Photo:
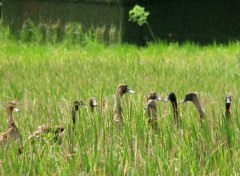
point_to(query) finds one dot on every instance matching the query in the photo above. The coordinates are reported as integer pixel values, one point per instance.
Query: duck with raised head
(93, 103)
(228, 106)
(12, 133)
(193, 97)
(56, 131)
(152, 96)
(172, 97)
(117, 110)
(76, 106)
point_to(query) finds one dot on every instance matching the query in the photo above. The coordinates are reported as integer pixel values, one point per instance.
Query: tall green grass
(45, 79)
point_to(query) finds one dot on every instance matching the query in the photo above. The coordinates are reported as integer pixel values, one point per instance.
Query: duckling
(228, 106)
(192, 96)
(117, 110)
(93, 103)
(57, 131)
(12, 131)
(172, 97)
(152, 113)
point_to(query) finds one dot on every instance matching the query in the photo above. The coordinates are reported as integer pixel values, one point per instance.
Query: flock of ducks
(12, 133)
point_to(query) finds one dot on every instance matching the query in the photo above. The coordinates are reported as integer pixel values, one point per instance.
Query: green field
(45, 79)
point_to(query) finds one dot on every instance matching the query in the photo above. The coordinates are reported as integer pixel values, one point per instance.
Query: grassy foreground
(44, 80)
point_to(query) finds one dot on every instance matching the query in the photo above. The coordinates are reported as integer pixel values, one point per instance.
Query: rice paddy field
(45, 79)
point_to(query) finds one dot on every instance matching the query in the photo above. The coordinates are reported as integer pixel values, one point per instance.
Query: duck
(57, 131)
(228, 106)
(93, 103)
(76, 105)
(12, 133)
(151, 108)
(193, 97)
(117, 109)
(172, 97)
(152, 96)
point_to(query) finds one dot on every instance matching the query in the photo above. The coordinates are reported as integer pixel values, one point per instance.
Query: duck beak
(167, 99)
(131, 91)
(158, 98)
(228, 101)
(95, 103)
(184, 100)
(16, 109)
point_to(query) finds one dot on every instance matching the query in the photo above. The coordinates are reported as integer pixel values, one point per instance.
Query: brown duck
(192, 96)
(151, 108)
(117, 110)
(152, 120)
(11, 133)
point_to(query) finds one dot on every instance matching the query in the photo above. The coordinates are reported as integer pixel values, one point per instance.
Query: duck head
(77, 104)
(189, 97)
(12, 106)
(171, 97)
(123, 88)
(228, 101)
(153, 96)
(93, 102)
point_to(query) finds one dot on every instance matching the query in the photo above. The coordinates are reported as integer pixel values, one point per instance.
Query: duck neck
(117, 105)
(199, 108)
(152, 115)
(73, 115)
(152, 112)
(227, 113)
(11, 123)
(175, 109)
(92, 109)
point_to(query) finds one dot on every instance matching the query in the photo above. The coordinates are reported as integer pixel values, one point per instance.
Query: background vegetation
(203, 22)
(45, 78)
